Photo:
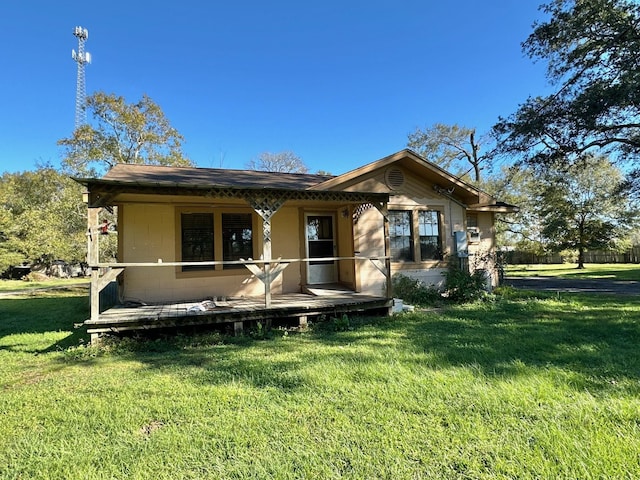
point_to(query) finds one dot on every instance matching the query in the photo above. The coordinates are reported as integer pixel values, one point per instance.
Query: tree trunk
(581, 243)
(580, 257)
(475, 161)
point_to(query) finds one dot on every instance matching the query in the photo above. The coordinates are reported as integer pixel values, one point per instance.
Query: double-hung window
(215, 236)
(415, 234)
(401, 235)
(237, 238)
(197, 240)
(429, 232)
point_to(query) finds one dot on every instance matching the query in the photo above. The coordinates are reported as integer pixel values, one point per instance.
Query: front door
(321, 244)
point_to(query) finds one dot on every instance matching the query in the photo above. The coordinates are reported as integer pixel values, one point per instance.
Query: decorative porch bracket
(275, 270)
(109, 277)
(266, 206)
(380, 266)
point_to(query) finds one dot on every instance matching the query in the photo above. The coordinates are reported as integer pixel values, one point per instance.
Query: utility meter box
(462, 247)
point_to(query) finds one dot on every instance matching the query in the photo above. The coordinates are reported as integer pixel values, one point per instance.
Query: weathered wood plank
(108, 277)
(283, 306)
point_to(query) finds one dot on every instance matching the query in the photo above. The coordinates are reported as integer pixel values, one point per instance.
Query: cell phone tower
(81, 58)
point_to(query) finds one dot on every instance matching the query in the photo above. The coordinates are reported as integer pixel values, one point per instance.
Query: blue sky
(340, 83)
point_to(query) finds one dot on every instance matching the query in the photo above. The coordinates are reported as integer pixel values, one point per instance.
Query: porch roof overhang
(105, 192)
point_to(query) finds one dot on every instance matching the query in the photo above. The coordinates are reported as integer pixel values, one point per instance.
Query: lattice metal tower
(82, 58)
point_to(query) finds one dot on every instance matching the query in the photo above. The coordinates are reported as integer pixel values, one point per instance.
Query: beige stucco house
(196, 233)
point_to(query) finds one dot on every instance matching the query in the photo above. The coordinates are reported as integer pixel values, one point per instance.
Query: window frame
(235, 257)
(438, 245)
(218, 247)
(411, 236)
(414, 212)
(195, 268)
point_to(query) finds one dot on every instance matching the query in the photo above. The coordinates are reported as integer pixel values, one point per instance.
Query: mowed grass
(610, 271)
(23, 285)
(513, 387)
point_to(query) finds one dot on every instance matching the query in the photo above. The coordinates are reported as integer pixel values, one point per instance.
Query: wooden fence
(596, 256)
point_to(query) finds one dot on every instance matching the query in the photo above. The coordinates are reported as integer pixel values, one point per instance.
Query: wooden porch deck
(207, 312)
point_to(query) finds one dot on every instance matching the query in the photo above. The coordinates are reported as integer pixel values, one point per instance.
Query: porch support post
(238, 328)
(383, 208)
(387, 248)
(266, 206)
(266, 256)
(92, 260)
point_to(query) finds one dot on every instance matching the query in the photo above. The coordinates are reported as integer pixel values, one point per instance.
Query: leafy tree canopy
(591, 47)
(583, 208)
(453, 147)
(517, 185)
(286, 161)
(42, 218)
(122, 133)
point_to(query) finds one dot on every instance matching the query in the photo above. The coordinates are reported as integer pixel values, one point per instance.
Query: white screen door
(320, 243)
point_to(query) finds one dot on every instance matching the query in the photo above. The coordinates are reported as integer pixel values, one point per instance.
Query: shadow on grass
(594, 339)
(44, 313)
(214, 358)
(594, 336)
(623, 272)
(610, 274)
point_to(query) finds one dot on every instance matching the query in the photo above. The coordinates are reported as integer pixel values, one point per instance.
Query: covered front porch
(300, 308)
(314, 230)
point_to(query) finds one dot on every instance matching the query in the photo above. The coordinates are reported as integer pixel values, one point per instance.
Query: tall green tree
(8, 252)
(591, 49)
(453, 147)
(42, 218)
(518, 185)
(122, 132)
(583, 208)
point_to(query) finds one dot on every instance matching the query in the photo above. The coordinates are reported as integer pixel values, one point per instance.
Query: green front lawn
(515, 387)
(21, 285)
(611, 271)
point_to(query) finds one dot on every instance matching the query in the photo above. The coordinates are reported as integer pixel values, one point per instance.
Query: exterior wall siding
(369, 242)
(481, 257)
(150, 234)
(346, 268)
(285, 243)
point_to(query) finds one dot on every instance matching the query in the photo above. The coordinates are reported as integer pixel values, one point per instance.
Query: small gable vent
(394, 178)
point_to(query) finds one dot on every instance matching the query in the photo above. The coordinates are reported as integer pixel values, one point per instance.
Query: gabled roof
(443, 181)
(133, 178)
(126, 180)
(154, 175)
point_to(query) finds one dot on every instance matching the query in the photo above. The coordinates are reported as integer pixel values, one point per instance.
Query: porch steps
(328, 290)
